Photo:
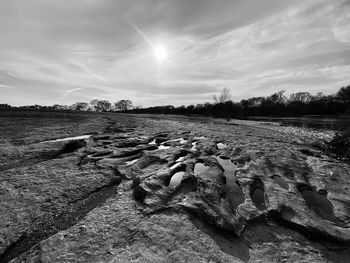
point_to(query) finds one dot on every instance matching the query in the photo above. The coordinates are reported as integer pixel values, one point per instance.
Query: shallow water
(193, 148)
(318, 202)
(131, 162)
(315, 122)
(152, 142)
(180, 159)
(176, 179)
(81, 137)
(221, 145)
(200, 168)
(228, 166)
(199, 138)
(162, 147)
(180, 140)
(175, 165)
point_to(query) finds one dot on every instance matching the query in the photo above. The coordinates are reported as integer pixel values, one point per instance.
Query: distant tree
(278, 97)
(344, 94)
(123, 105)
(224, 96)
(300, 97)
(60, 107)
(255, 102)
(5, 106)
(137, 107)
(100, 105)
(81, 106)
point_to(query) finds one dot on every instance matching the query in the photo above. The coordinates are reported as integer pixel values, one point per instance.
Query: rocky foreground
(158, 189)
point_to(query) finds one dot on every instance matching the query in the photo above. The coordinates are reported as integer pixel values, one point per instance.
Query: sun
(160, 53)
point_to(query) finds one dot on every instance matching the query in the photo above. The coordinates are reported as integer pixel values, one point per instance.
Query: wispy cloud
(52, 52)
(5, 86)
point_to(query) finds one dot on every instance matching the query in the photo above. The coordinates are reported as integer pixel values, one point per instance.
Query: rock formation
(178, 190)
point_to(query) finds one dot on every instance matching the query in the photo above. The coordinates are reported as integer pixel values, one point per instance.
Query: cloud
(54, 52)
(5, 86)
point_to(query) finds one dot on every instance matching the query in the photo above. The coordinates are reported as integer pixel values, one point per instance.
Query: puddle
(257, 194)
(162, 147)
(176, 179)
(152, 142)
(175, 165)
(318, 202)
(81, 137)
(180, 159)
(200, 168)
(131, 162)
(180, 140)
(193, 148)
(221, 145)
(234, 194)
(229, 167)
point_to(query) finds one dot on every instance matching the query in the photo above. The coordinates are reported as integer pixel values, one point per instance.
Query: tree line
(277, 104)
(93, 105)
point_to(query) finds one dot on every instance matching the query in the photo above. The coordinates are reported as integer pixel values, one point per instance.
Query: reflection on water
(200, 168)
(180, 159)
(182, 140)
(221, 146)
(226, 163)
(193, 148)
(131, 162)
(176, 179)
(315, 122)
(152, 142)
(162, 147)
(175, 165)
(81, 137)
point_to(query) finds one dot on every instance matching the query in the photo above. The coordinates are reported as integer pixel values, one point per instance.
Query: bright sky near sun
(157, 52)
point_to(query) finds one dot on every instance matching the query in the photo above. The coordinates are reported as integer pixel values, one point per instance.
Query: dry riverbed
(169, 189)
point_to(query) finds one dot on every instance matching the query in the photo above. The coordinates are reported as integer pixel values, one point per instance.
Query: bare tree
(81, 106)
(344, 94)
(123, 105)
(224, 96)
(300, 97)
(100, 105)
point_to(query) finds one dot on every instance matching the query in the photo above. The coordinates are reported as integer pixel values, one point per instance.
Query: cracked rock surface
(175, 189)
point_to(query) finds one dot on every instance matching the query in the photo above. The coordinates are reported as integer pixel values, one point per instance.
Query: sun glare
(160, 53)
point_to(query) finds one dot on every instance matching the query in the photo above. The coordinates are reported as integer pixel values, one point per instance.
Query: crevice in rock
(311, 233)
(44, 156)
(102, 154)
(139, 193)
(50, 224)
(318, 202)
(257, 193)
(227, 241)
(72, 146)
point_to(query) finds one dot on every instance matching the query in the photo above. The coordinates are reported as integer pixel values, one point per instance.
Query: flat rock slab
(267, 196)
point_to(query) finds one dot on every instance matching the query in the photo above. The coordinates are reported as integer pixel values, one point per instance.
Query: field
(156, 188)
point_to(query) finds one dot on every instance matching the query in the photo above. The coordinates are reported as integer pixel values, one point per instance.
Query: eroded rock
(259, 198)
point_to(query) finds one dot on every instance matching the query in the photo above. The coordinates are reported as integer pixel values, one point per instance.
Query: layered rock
(199, 192)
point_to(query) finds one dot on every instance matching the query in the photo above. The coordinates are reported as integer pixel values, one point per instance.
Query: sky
(61, 52)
